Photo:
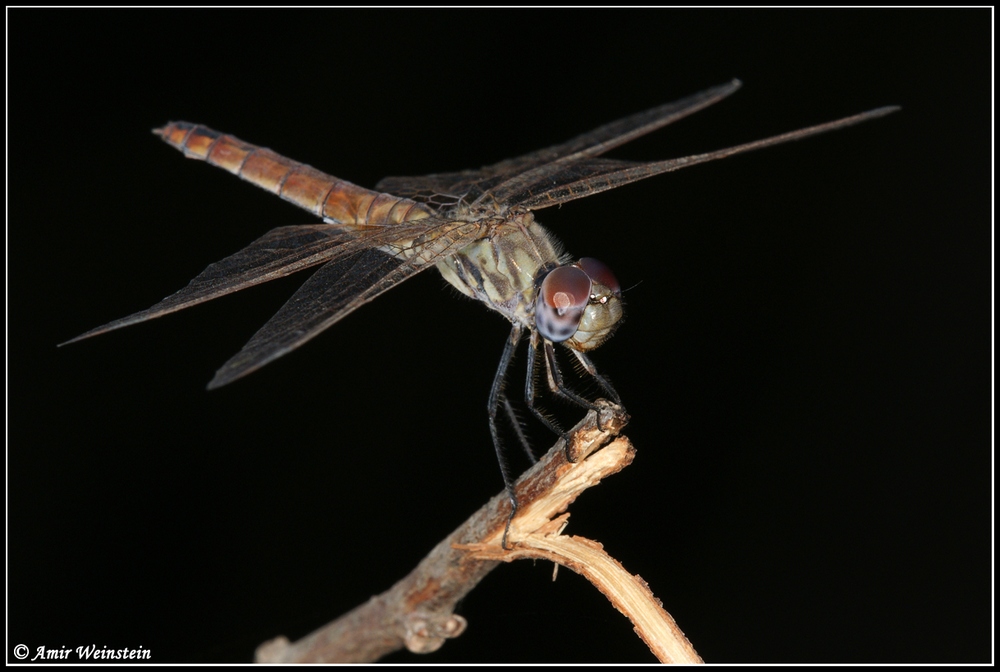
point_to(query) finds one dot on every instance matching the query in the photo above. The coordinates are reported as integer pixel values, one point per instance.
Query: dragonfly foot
(510, 518)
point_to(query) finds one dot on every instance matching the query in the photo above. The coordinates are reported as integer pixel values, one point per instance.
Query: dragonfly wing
(558, 183)
(617, 133)
(438, 190)
(472, 184)
(276, 254)
(337, 289)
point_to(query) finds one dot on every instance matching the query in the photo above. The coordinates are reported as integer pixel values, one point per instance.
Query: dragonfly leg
(605, 384)
(529, 388)
(556, 380)
(496, 397)
(515, 422)
(559, 387)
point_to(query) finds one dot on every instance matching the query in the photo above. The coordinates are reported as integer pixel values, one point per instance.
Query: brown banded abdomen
(321, 194)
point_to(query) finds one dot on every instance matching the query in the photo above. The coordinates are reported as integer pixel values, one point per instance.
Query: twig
(417, 612)
(629, 594)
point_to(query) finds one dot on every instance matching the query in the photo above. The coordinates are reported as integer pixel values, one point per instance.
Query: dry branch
(417, 612)
(629, 594)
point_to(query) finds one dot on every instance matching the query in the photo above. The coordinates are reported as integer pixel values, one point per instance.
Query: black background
(806, 356)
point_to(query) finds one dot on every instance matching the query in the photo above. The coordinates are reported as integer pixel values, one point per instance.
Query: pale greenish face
(601, 317)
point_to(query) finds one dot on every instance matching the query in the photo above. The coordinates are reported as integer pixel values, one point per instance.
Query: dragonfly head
(579, 304)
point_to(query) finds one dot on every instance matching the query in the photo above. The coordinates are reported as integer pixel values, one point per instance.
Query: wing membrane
(313, 308)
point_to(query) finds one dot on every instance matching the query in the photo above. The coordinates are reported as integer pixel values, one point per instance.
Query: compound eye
(599, 272)
(566, 288)
(561, 301)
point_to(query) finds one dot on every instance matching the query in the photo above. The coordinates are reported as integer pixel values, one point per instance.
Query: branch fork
(418, 612)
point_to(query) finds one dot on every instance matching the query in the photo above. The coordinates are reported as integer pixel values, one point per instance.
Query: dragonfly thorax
(502, 268)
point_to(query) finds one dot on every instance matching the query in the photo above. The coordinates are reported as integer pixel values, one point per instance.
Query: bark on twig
(417, 612)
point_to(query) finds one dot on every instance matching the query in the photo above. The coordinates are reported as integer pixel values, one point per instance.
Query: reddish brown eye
(599, 272)
(561, 301)
(566, 288)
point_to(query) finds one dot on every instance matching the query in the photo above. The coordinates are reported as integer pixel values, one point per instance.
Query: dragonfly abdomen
(325, 196)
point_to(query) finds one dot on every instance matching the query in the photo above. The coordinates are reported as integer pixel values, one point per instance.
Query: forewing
(337, 289)
(445, 188)
(276, 254)
(558, 183)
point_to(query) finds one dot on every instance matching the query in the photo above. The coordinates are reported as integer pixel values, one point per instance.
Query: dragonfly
(477, 227)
